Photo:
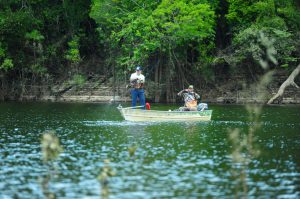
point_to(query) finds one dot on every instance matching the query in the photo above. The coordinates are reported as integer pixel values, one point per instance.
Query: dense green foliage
(176, 41)
(144, 29)
(43, 38)
(275, 20)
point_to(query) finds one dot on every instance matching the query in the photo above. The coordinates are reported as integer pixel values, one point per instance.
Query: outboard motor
(202, 107)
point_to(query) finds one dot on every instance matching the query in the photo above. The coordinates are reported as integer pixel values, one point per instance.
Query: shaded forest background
(207, 43)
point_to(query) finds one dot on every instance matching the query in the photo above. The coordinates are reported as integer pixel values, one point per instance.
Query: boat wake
(115, 123)
(213, 122)
(249, 123)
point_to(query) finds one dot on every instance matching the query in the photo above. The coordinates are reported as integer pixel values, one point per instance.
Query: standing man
(137, 81)
(190, 99)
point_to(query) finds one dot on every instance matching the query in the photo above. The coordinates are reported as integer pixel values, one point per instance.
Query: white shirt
(141, 77)
(137, 81)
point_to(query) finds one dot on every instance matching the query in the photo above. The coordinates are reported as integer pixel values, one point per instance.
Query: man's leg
(193, 109)
(142, 98)
(134, 95)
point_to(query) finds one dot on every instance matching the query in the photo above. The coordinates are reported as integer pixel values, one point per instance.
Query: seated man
(190, 99)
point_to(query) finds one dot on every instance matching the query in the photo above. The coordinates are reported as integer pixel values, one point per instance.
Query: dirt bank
(229, 91)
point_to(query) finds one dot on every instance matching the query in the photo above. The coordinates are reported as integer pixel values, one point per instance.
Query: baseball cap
(138, 68)
(191, 86)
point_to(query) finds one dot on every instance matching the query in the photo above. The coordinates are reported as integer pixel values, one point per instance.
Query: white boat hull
(135, 115)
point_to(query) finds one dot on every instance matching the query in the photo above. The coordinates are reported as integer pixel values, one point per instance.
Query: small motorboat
(136, 114)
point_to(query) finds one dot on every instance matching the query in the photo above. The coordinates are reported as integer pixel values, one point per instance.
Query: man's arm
(132, 77)
(132, 80)
(142, 79)
(181, 92)
(197, 96)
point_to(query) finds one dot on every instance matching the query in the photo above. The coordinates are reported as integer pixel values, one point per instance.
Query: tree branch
(289, 81)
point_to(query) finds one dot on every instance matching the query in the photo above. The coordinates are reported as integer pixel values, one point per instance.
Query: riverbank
(106, 94)
(229, 91)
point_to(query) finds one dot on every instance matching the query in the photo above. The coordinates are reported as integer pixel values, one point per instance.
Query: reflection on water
(171, 160)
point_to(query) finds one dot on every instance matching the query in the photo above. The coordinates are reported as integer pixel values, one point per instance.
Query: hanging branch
(289, 81)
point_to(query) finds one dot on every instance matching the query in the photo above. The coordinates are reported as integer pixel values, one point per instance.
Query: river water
(172, 160)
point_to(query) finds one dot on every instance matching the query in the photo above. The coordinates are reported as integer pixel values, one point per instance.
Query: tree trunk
(289, 81)
(182, 80)
(168, 76)
(2, 87)
(157, 81)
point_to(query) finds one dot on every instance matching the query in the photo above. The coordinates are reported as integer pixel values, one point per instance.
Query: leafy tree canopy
(141, 28)
(252, 19)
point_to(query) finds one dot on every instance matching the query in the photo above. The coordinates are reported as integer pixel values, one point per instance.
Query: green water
(173, 160)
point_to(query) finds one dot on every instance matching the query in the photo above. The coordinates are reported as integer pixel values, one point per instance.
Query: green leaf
(7, 64)
(34, 35)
